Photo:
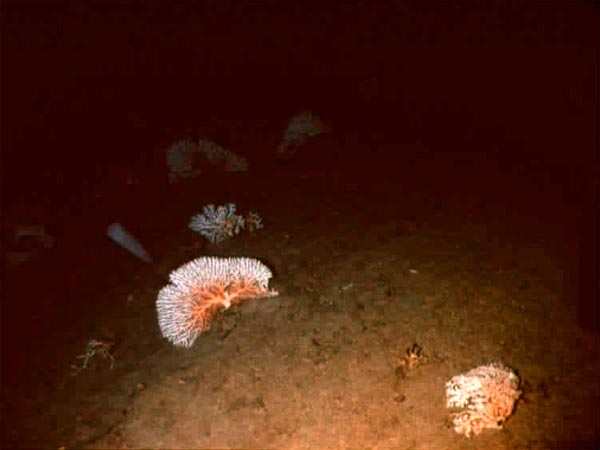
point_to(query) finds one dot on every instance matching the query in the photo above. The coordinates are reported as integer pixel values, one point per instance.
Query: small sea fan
(200, 288)
(211, 151)
(301, 128)
(481, 398)
(253, 222)
(234, 162)
(180, 160)
(218, 156)
(217, 224)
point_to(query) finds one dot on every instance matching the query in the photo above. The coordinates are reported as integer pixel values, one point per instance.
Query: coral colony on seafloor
(185, 157)
(220, 223)
(217, 224)
(202, 287)
(301, 128)
(253, 222)
(218, 156)
(481, 398)
(180, 160)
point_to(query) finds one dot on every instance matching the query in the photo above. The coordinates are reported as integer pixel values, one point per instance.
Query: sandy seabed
(363, 273)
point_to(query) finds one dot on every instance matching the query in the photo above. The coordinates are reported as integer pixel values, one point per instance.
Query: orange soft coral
(209, 300)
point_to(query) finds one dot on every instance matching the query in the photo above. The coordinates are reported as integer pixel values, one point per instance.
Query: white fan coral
(217, 224)
(218, 156)
(300, 129)
(200, 288)
(481, 398)
(185, 159)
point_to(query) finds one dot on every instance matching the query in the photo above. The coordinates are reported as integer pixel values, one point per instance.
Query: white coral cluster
(184, 159)
(217, 223)
(218, 156)
(180, 160)
(200, 288)
(481, 398)
(301, 128)
(220, 223)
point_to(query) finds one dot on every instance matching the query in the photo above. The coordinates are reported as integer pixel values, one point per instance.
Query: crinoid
(413, 358)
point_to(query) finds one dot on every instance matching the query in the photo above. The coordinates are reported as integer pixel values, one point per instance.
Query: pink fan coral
(201, 288)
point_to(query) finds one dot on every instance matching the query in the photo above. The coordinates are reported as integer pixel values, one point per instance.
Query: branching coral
(481, 398)
(301, 128)
(201, 288)
(217, 223)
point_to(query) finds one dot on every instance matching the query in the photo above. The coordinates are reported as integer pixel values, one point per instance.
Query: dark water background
(98, 84)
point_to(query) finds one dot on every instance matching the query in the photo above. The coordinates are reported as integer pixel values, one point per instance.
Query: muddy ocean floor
(366, 266)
